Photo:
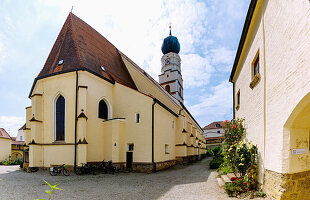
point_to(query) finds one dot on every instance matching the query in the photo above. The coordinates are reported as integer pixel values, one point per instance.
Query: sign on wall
(298, 151)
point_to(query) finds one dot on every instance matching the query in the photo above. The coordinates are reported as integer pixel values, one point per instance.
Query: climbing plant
(241, 156)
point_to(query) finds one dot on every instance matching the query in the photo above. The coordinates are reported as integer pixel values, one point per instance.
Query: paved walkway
(192, 182)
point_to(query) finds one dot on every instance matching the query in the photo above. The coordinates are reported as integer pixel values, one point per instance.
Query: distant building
(5, 145)
(18, 144)
(21, 133)
(214, 133)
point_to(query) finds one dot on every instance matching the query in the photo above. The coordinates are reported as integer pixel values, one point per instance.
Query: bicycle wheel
(53, 171)
(65, 172)
(78, 171)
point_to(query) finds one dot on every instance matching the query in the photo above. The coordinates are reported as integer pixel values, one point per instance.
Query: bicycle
(107, 167)
(58, 170)
(85, 169)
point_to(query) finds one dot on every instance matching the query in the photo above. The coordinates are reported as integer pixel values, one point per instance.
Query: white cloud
(215, 106)
(222, 55)
(196, 70)
(11, 124)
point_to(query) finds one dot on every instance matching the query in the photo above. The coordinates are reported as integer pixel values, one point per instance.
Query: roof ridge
(74, 42)
(172, 99)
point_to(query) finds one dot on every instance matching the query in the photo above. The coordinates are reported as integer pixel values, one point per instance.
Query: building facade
(271, 88)
(90, 103)
(5, 145)
(214, 134)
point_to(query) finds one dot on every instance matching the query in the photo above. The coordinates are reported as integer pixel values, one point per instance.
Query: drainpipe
(233, 96)
(153, 162)
(75, 117)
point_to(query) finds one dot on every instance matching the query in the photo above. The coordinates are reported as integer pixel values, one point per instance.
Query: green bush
(217, 151)
(15, 162)
(236, 186)
(216, 162)
(225, 168)
(210, 152)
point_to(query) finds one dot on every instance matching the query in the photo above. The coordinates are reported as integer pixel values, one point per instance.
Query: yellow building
(90, 103)
(5, 145)
(17, 149)
(271, 84)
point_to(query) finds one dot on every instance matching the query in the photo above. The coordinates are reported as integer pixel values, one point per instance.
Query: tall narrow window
(103, 110)
(166, 148)
(256, 66)
(238, 100)
(137, 117)
(60, 118)
(167, 88)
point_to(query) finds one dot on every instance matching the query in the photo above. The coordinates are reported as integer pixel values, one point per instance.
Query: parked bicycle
(106, 167)
(58, 170)
(86, 169)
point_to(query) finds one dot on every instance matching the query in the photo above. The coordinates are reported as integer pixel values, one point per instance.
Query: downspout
(233, 96)
(264, 39)
(153, 162)
(75, 117)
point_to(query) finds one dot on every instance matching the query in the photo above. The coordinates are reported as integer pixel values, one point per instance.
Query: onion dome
(170, 44)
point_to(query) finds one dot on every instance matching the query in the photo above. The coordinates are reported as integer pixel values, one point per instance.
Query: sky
(208, 31)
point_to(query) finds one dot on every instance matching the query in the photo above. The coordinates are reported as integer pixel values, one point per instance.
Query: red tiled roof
(23, 127)
(214, 138)
(213, 125)
(4, 134)
(18, 142)
(82, 48)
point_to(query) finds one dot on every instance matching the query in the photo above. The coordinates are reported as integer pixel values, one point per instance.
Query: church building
(90, 102)
(271, 88)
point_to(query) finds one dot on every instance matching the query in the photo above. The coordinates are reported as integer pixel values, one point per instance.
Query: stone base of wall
(149, 167)
(165, 164)
(189, 159)
(143, 167)
(287, 186)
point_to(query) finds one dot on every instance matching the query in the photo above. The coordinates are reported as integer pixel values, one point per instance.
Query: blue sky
(208, 31)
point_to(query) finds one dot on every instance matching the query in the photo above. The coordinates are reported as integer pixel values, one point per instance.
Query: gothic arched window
(103, 110)
(60, 118)
(167, 88)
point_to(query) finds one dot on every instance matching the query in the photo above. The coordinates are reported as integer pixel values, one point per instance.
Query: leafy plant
(15, 162)
(261, 194)
(216, 162)
(210, 152)
(225, 168)
(241, 157)
(52, 187)
(217, 151)
(236, 186)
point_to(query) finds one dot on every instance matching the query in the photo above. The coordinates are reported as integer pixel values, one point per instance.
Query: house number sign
(298, 151)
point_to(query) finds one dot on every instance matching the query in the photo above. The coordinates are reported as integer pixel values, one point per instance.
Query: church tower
(171, 78)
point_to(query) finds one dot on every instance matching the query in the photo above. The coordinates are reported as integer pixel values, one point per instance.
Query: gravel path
(192, 182)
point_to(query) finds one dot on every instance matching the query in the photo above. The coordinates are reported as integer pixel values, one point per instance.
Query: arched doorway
(297, 135)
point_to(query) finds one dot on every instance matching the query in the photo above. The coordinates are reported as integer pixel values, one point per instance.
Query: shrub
(216, 162)
(225, 168)
(217, 151)
(210, 152)
(240, 156)
(236, 186)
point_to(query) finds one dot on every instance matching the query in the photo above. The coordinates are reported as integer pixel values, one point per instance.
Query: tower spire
(170, 28)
